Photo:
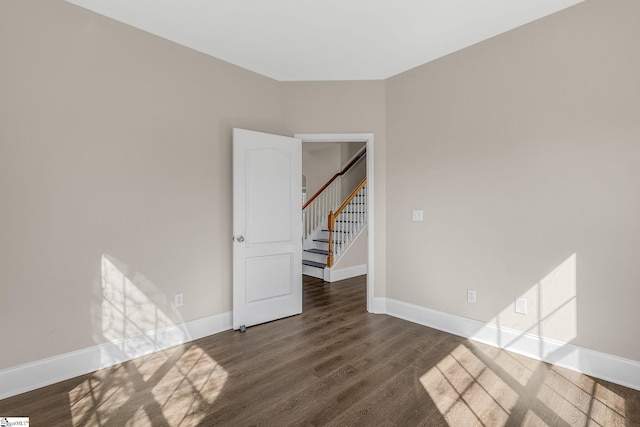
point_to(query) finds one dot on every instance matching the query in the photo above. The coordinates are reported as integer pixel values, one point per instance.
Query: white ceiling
(301, 40)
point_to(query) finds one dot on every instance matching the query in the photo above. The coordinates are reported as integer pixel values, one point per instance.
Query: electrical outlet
(521, 306)
(178, 300)
(471, 296)
(418, 215)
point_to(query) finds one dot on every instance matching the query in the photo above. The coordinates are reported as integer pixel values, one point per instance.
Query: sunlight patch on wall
(179, 383)
(552, 307)
(558, 306)
(130, 306)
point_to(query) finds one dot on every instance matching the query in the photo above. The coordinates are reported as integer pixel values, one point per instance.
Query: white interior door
(267, 242)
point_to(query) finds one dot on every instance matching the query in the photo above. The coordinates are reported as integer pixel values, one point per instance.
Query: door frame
(368, 139)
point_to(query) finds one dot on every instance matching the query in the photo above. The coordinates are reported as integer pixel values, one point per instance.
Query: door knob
(240, 239)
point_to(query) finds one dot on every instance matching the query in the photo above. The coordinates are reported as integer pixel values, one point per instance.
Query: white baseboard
(590, 362)
(318, 273)
(334, 275)
(378, 306)
(30, 376)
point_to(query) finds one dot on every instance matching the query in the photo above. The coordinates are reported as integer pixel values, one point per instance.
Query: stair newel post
(331, 223)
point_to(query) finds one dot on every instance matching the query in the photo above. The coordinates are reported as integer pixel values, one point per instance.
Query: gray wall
(523, 152)
(357, 173)
(114, 143)
(320, 161)
(115, 173)
(346, 107)
(115, 151)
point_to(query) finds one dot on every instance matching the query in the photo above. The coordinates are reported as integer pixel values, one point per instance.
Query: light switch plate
(418, 215)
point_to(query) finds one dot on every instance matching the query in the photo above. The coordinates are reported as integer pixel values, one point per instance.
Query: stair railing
(350, 218)
(326, 199)
(315, 211)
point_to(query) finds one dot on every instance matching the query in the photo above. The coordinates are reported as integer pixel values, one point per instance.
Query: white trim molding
(41, 373)
(378, 306)
(333, 275)
(590, 362)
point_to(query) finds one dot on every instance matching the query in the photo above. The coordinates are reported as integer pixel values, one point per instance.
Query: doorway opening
(368, 140)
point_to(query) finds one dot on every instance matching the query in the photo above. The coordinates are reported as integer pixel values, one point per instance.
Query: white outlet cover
(418, 215)
(521, 305)
(178, 300)
(471, 296)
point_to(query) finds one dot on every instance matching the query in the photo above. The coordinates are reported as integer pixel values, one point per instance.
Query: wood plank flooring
(333, 365)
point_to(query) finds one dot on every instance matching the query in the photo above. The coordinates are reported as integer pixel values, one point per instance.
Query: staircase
(332, 225)
(347, 228)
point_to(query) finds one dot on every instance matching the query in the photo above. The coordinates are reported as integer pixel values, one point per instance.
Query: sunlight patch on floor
(587, 403)
(468, 391)
(464, 389)
(532, 420)
(197, 382)
(181, 384)
(520, 368)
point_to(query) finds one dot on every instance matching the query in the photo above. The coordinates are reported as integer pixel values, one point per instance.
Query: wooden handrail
(350, 198)
(357, 157)
(331, 220)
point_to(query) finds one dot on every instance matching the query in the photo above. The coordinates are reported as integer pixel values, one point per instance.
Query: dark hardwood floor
(335, 364)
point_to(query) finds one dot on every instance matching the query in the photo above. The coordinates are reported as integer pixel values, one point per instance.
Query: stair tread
(317, 251)
(326, 241)
(313, 263)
